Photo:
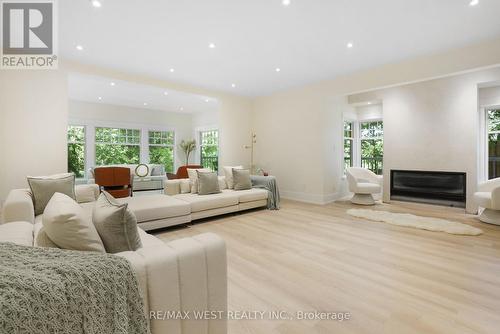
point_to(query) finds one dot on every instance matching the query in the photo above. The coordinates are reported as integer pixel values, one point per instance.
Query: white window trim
(90, 142)
(357, 137)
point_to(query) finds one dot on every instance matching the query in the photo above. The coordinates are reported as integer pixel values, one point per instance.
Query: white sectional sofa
(183, 275)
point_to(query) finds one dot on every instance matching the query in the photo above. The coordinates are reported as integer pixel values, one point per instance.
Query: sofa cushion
(241, 179)
(155, 207)
(214, 201)
(149, 240)
(208, 183)
(68, 226)
(250, 195)
(228, 172)
(116, 224)
(43, 187)
(193, 177)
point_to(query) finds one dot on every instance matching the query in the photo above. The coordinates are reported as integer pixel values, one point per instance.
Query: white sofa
(488, 198)
(183, 275)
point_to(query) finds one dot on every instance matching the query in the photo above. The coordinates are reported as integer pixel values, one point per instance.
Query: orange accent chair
(182, 172)
(115, 180)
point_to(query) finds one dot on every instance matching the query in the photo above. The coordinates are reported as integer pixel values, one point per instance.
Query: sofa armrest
(489, 185)
(19, 207)
(187, 275)
(172, 187)
(86, 193)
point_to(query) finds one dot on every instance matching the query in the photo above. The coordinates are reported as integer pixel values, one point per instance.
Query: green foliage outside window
(348, 144)
(76, 150)
(372, 146)
(493, 118)
(117, 146)
(209, 149)
(161, 149)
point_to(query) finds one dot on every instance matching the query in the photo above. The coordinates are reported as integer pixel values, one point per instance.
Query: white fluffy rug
(408, 220)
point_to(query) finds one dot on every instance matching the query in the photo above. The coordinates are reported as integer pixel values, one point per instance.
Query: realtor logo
(28, 34)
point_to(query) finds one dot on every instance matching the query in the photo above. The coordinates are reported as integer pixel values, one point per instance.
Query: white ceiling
(306, 40)
(122, 93)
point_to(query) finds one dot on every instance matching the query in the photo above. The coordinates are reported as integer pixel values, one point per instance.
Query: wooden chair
(182, 172)
(115, 180)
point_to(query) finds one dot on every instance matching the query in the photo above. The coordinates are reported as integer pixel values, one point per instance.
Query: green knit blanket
(48, 290)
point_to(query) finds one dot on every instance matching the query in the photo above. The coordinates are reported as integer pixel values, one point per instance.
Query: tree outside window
(493, 118)
(372, 146)
(76, 150)
(209, 149)
(117, 146)
(161, 149)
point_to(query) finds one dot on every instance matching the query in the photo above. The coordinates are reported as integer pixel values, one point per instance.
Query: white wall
(433, 125)
(489, 96)
(33, 120)
(300, 129)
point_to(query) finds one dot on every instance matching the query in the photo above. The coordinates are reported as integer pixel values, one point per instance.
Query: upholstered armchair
(363, 183)
(488, 198)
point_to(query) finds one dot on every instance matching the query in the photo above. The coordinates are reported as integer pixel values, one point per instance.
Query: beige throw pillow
(116, 224)
(193, 177)
(68, 226)
(228, 172)
(208, 183)
(43, 187)
(242, 179)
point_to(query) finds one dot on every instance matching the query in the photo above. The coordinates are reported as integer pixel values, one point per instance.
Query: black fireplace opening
(445, 188)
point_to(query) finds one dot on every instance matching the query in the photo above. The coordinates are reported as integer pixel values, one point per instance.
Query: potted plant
(188, 146)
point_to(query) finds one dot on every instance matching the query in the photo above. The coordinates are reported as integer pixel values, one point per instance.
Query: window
(372, 145)
(76, 150)
(348, 144)
(117, 146)
(209, 149)
(161, 149)
(493, 118)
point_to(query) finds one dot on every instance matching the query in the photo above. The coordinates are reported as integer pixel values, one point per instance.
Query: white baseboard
(320, 199)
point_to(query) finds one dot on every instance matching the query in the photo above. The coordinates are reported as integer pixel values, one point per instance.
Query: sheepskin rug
(409, 220)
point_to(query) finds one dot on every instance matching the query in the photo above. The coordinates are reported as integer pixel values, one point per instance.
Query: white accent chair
(488, 198)
(363, 183)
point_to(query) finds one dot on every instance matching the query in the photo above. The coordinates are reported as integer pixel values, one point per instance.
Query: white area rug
(409, 220)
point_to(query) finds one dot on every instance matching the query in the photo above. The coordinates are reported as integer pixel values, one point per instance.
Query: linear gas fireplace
(444, 188)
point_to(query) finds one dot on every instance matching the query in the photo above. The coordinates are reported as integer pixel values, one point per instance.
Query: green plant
(188, 146)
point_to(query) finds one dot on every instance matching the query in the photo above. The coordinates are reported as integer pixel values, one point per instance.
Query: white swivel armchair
(363, 183)
(488, 198)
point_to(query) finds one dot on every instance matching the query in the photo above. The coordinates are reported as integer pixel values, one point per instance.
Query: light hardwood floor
(391, 279)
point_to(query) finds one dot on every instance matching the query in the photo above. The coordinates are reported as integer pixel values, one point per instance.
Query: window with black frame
(209, 149)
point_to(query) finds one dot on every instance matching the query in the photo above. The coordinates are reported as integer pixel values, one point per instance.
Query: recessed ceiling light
(96, 3)
(182, 108)
(286, 2)
(165, 93)
(112, 84)
(79, 47)
(172, 70)
(233, 85)
(99, 98)
(369, 103)
(207, 100)
(145, 103)
(474, 3)
(278, 69)
(350, 45)
(211, 45)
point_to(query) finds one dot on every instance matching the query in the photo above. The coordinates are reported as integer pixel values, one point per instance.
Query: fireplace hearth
(443, 188)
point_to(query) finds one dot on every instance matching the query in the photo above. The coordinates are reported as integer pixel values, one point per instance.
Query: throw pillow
(193, 177)
(43, 187)
(185, 186)
(208, 183)
(242, 179)
(116, 224)
(68, 226)
(228, 172)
